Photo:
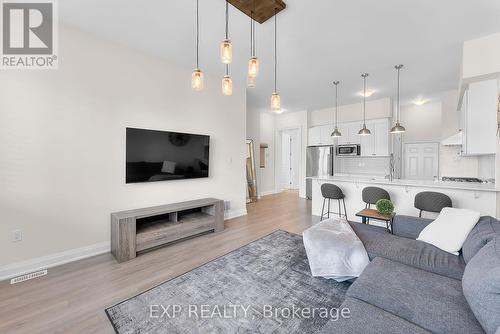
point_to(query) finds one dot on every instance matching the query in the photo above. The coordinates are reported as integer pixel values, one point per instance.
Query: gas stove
(462, 179)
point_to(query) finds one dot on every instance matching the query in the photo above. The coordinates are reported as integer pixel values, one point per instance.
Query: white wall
(62, 143)
(380, 108)
(267, 136)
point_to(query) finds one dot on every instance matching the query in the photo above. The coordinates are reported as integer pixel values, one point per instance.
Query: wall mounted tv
(162, 156)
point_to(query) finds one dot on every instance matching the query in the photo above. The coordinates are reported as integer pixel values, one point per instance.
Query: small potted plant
(384, 206)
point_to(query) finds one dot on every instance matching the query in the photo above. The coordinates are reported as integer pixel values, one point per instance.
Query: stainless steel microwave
(349, 150)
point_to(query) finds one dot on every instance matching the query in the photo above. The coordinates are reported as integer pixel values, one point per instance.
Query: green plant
(384, 206)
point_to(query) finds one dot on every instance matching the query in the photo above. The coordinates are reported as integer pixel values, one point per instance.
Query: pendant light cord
(197, 35)
(398, 67)
(364, 98)
(275, 48)
(253, 30)
(336, 83)
(227, 19)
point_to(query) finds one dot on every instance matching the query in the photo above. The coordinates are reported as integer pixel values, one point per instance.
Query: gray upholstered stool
(431, 201)
(371, 195)
(329, 192)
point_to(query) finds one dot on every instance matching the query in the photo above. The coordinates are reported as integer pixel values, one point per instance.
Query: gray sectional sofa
(413, 287)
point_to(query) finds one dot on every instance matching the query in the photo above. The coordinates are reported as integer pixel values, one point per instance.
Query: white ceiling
(318, 41)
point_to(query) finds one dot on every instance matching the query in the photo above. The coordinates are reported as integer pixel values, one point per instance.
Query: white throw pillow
(450, 229)
(168, 167)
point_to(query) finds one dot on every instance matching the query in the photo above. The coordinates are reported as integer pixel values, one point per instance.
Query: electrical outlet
(17, 235)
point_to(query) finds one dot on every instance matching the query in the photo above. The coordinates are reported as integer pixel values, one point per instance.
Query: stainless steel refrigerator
(319, 163)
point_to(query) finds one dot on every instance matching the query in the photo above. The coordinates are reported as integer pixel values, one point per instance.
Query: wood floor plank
(72, 297)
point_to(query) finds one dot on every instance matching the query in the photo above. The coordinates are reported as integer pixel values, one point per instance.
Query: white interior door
(289, 160)
(421, 161)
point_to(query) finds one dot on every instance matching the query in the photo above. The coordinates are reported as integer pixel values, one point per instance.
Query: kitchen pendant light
(226, 49)
(364, 131)
(253, 62)
(227, 83)
(197, 76)
(275, 98)
(336, 133)
(398, 128)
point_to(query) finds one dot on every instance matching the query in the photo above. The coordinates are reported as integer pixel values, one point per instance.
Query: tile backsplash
(376, 166)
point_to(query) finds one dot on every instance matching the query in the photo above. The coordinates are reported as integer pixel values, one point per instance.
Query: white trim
(49, 261)
(235, 213)
(266, 193)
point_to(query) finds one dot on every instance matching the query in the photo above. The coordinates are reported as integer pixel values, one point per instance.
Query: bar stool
(371, 195)
(329, 192)
(431, 201)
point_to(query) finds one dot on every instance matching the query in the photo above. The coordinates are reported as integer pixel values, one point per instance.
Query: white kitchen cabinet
(381, 136)
(326, 134)
(320, 135)
(349, 132)
(314, 136)
(479, 119)
(376, 144)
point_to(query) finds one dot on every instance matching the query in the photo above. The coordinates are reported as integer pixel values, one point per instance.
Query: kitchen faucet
(391, 168)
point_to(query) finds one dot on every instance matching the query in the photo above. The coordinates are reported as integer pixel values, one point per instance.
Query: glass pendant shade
(251, 82)
(226, 52)
(336, 133)
(398, 128)
(253, 67)
(364, 131)
(227, 85)
(276, 103)
(197, 80)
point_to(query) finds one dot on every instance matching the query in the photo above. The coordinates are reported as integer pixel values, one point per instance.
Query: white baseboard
(265, 193)
(48, 261)
(235, 213)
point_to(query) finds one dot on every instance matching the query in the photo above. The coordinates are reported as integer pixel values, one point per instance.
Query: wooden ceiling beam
(263, 9)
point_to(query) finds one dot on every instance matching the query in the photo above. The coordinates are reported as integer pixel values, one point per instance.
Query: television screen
(161, 156)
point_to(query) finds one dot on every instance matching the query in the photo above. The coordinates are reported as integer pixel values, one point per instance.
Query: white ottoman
(334, 250)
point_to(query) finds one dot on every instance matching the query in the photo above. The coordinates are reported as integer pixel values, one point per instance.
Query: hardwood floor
(72, 297)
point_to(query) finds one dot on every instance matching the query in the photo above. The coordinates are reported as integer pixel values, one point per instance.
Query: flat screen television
(162, 156)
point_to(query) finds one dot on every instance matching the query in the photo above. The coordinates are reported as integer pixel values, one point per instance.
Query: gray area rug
(261, 287)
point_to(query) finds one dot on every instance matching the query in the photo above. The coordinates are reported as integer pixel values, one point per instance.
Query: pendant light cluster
(226, 58)
(398, 128)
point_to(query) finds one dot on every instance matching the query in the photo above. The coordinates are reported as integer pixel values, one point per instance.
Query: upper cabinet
(377, 144)
(320, 135)
(479, 119)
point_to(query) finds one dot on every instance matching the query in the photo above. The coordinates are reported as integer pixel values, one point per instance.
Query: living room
(249, 166)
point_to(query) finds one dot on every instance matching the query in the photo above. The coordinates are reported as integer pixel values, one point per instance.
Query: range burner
(461, 179)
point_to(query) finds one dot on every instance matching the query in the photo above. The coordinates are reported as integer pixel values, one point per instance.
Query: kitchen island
(480, 197)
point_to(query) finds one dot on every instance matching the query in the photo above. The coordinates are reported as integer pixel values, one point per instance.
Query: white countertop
(411, 183)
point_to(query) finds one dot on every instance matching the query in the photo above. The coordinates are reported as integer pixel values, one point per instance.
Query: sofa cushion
(481, 285)
(450, 229)
(409, 226)
(380, 243)
(485, 230)
(431, 301)
(369, 319)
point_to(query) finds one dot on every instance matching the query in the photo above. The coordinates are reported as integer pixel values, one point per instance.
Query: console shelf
(138, 230)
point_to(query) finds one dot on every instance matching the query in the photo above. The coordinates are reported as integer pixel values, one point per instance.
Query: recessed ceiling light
(420, 102)
(367, 94)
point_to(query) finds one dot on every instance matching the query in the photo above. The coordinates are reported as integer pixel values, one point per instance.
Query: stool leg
(340, 211)
(322, 209)
(328, 214)
(345, 211)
